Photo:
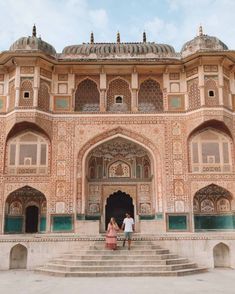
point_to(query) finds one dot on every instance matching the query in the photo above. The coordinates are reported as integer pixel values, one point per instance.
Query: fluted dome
(33, 43)
(125, 50)
(202, 43)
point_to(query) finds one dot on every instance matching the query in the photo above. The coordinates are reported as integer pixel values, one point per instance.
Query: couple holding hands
(111, 235)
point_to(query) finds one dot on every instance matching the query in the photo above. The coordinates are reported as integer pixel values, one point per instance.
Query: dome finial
(34, 33)
(144, 37)
(92, 38)
(200, 31)
(118, 37)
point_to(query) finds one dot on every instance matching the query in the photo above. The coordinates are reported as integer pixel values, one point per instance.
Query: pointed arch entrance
(118, 164)
(25, 211)
(117, 205)
(212, 207)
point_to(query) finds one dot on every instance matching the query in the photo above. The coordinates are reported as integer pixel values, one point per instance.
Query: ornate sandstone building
(105, 128)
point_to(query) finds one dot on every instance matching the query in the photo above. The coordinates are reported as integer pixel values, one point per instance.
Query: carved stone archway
(16, 207)
(212, 209)
(106, 136)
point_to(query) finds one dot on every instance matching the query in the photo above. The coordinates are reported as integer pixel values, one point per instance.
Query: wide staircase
(144, 259)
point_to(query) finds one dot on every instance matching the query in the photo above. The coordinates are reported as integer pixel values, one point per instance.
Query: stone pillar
(221, 84)
(201, 84)
(54, 83)
(17, 97)
(36, 84)
(103, 87)
(6, 90)
(17, 86)
(232, 88)
(71, 88)
(184, 89)
(134, 94)
(166, 89)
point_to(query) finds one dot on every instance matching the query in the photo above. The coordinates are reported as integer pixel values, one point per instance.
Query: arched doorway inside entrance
(31, 219)
(118, 204)
(118, 164)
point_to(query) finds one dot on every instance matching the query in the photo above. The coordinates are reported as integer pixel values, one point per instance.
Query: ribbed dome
(100, 50)
(33, 43)
(202, 42)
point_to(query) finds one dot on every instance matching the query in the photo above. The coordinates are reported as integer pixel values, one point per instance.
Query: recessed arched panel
(210, 152)
(118, 96)
(27, 153)
(150, 96)
(25, 211)
(221, 255)
(18, 257)
(87, 96)
(212, 209)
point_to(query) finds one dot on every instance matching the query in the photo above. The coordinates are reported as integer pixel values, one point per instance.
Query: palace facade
(105, 128)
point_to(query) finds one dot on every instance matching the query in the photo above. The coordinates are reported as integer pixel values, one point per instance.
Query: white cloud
(160, 31)
(98, 18)
(66, 22)
(216, 17)
(60, 23)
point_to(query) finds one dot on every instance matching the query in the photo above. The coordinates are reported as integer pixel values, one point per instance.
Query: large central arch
(122, 134)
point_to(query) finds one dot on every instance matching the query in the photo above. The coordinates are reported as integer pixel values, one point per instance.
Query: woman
(111, 236)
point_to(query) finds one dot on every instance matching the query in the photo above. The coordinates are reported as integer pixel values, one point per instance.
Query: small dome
(33, 43)
(202, 43)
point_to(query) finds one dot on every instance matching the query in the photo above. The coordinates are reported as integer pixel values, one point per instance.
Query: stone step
(121, 274)
(144, 259)
(97, 243)
(74, 262)
(95, 268)
(124, 252)
(133, 247)
(120, 257)
(176, 260)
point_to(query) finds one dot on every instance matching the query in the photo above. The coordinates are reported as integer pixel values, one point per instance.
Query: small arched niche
(18, 257)
(221, 255)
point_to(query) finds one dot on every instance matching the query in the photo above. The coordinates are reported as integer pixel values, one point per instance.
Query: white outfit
(128, 222)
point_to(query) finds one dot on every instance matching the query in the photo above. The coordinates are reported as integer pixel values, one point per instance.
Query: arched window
(118, 96)
(211, 152)
(150, 96)
(26, 93)
(27, 154)
(212, 208)
(44, 95)
(87, 96)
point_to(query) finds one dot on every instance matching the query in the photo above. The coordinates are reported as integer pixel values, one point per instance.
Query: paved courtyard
(26, 282)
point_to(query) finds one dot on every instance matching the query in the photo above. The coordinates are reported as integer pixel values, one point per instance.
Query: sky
(68, 22)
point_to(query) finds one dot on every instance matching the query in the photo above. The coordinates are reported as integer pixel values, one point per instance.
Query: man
(128, 226)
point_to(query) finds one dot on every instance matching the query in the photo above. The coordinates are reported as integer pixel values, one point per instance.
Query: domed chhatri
(202, 42)
(106, 50)
(33, 43)
(119, 49)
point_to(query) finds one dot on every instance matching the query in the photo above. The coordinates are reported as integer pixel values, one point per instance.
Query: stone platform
(144, 259)
(44, 249)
